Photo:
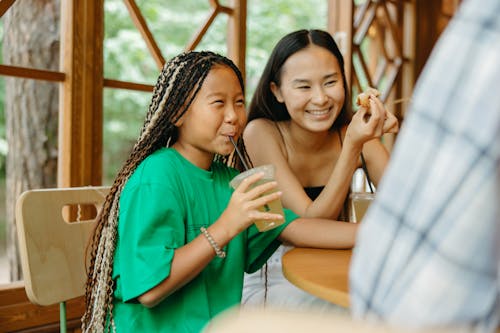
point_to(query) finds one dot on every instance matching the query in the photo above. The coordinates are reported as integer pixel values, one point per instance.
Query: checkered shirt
(428, 251)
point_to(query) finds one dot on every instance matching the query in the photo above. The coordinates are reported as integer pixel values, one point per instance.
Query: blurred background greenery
(172, 23)
(127, 58)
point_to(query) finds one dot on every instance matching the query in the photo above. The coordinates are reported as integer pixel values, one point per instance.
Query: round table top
(321, 272)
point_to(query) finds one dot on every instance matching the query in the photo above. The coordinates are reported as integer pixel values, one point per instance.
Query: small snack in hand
(363, 98)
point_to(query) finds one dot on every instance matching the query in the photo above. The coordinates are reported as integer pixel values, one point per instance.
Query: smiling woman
(173, 26)
(126, 56)
(301, 115)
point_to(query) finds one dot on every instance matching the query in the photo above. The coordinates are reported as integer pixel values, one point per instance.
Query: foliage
(3, 140)
(173, 24)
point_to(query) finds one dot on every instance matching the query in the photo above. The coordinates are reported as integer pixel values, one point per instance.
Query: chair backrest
(52, 249)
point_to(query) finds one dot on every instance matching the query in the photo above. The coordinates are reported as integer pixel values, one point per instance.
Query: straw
(400, 100)
(365, 169)
(239, 153)
(266, 206)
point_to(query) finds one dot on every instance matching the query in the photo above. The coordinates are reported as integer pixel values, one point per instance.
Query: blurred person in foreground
(427, 252)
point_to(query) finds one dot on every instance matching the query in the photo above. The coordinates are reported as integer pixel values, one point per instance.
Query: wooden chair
(53, 239)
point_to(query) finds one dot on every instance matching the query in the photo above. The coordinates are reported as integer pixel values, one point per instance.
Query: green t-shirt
(162, 207)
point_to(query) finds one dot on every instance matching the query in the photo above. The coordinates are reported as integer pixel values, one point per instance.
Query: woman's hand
(243, 208)
(366, 124)
(391, 124)
(371, 122)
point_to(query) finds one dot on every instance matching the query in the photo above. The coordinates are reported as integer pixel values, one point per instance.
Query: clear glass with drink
(360, 202)
(274, 206)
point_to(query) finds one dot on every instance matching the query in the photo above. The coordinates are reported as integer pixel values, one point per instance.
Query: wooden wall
(434, 16)
(18, 314)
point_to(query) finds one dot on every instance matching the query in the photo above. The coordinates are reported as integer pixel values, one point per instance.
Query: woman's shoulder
(261, 127)
(261, 123)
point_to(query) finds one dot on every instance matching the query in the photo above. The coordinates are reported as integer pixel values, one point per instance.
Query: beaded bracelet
(220, 253)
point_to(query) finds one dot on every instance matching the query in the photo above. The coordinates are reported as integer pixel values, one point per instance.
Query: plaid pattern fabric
(428, 250)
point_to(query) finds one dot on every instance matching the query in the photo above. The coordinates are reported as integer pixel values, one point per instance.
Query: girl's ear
(276, 91)
(179, 122)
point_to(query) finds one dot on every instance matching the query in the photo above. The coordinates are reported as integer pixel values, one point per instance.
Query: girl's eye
(330, 83)
(240, 102)
(219, 101)
(303, 87)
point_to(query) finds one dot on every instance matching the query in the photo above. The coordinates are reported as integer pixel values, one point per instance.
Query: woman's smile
(318, 112)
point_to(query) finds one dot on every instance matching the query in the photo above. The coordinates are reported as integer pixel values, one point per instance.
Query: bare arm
(320, 233)
(366, 136)
(190, 259)
(265, 146)
(376, 155)
(361, 133)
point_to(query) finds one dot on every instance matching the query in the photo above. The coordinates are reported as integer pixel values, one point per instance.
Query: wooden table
(323, 273)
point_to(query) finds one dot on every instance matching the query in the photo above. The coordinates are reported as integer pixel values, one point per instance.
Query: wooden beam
(340, 23)
(5, 5)
(142, 26)
(17, 313)
(426, 17)
(31, 73)
(108, 83)
(201, 32)
(219, 7)
(81, 118)
(237, 31)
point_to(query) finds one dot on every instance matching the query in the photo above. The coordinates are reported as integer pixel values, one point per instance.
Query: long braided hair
(178, 84)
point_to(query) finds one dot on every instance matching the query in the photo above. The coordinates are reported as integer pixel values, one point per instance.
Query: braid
(177, 86)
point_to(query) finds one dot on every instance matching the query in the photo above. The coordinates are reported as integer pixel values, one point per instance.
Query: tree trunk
(31, 39)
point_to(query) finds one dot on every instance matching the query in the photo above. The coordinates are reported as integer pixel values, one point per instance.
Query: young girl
(301, 113)
(173, 240)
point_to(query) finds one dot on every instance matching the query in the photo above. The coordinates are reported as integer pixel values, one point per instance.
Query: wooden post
(340, 16)
(80, 120)
(237, 30)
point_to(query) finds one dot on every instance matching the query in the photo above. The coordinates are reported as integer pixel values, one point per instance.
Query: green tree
(127, 58)
(31, 39)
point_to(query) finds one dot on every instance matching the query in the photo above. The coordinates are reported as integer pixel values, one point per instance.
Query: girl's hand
(243, 208)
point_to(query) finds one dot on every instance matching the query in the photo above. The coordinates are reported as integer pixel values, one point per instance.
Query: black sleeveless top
(313, 192)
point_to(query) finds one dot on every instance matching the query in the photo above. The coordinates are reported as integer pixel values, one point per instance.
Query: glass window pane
(124, 113)
(268, 21)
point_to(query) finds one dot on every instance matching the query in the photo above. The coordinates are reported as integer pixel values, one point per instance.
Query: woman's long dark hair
(265, 105)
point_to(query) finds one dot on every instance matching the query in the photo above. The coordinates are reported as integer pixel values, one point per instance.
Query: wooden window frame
(81, 119)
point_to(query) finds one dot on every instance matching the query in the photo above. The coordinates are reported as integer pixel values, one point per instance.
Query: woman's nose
(319, 96)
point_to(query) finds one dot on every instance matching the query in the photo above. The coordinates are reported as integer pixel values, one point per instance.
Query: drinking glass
(273, 206)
